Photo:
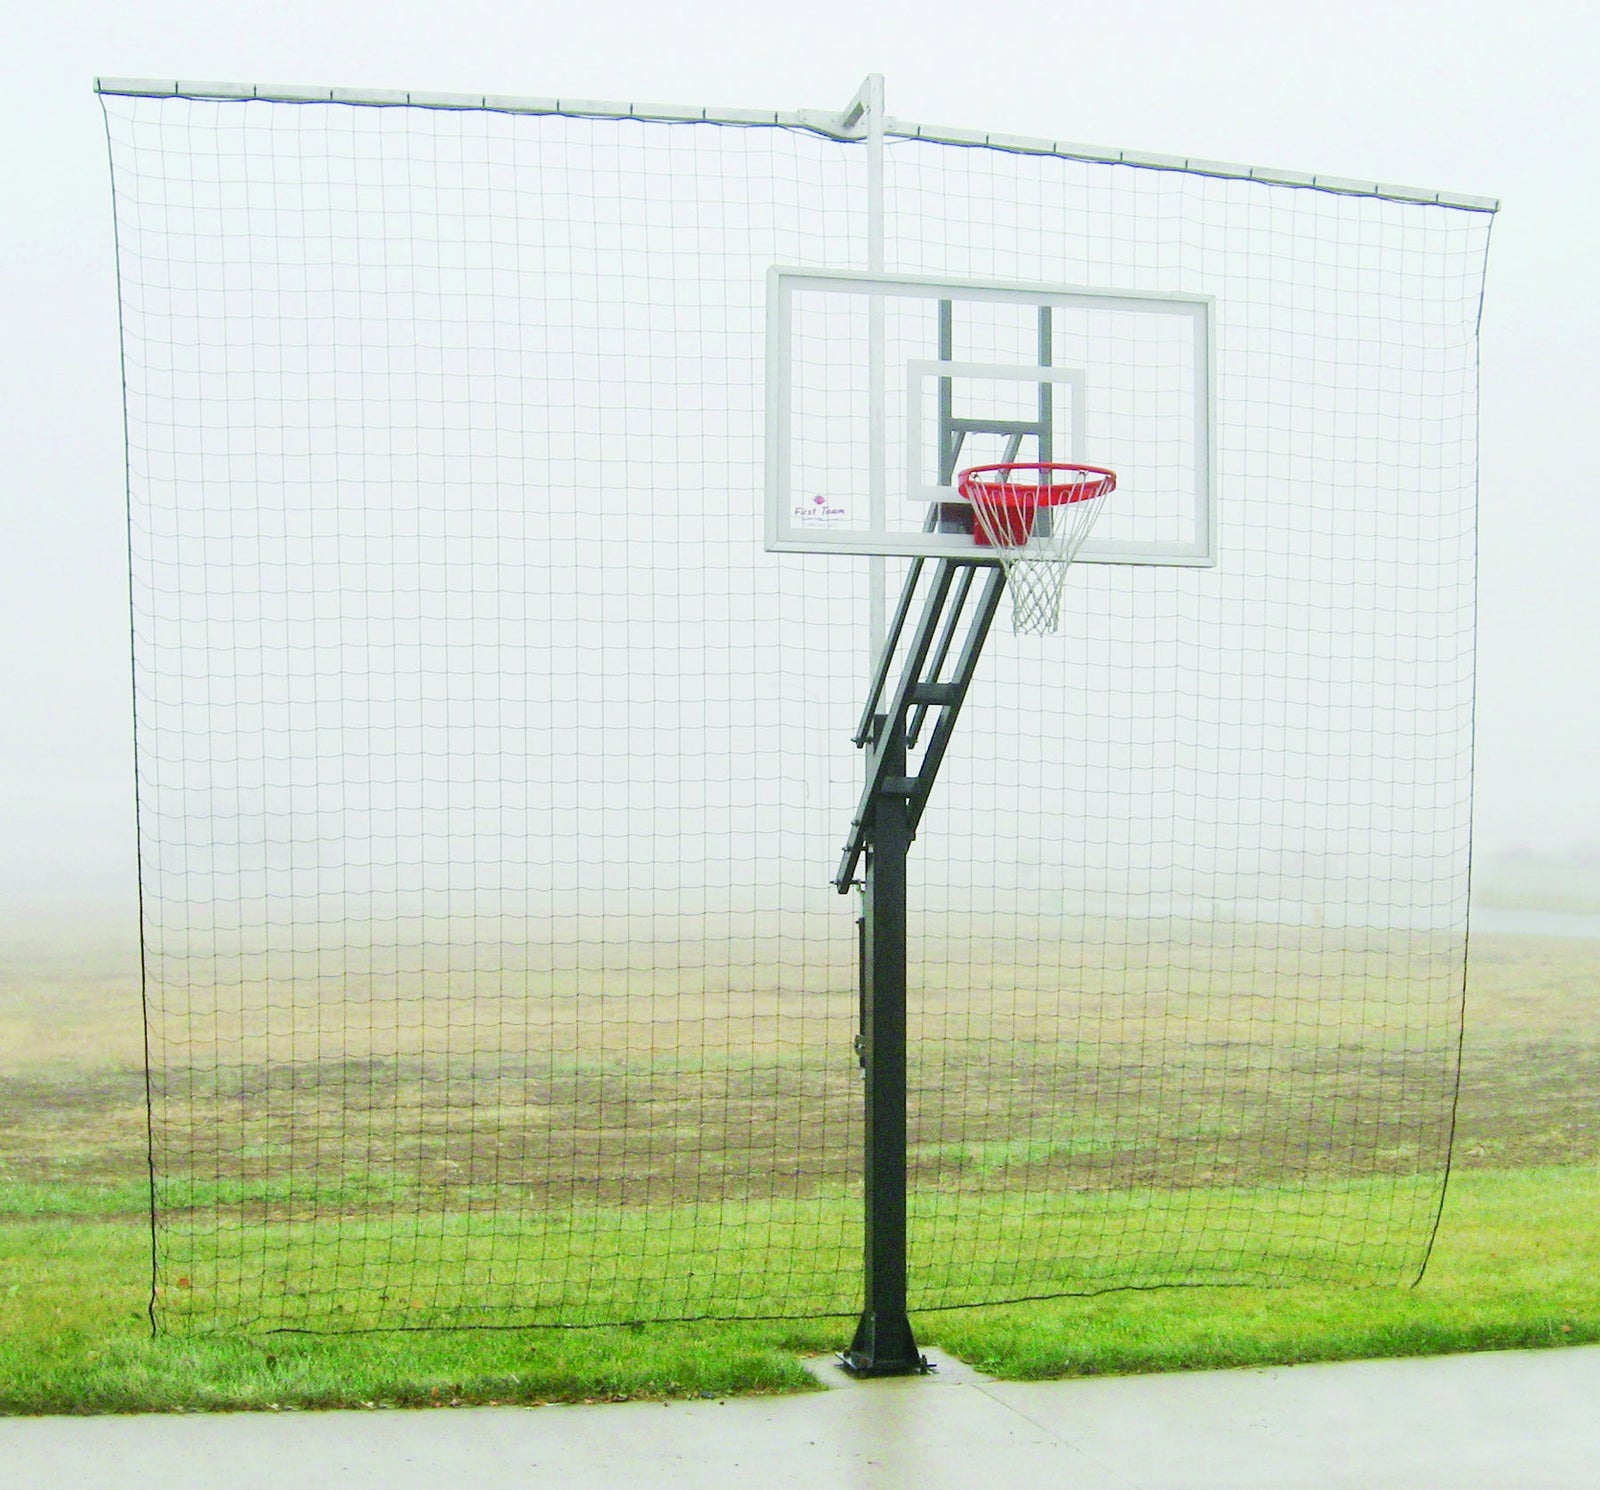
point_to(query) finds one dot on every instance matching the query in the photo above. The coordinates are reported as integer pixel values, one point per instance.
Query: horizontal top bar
(815, 121)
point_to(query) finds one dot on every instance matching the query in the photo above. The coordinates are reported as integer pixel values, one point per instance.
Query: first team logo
(818, 513)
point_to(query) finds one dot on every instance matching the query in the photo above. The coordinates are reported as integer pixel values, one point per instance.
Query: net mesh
(1035, 519)
(491, 775)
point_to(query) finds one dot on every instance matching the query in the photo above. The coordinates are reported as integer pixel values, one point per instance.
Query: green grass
(1517, 1264)
(76, 1340)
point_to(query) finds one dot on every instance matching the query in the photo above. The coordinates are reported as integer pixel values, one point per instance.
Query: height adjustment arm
(928, 682)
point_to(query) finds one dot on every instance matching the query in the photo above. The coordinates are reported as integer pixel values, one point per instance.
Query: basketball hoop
(1035, 516)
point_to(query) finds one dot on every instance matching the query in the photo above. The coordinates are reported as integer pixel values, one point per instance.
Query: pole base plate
(884, 1346)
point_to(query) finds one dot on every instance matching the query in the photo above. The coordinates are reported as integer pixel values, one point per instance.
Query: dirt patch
(1086, 1093)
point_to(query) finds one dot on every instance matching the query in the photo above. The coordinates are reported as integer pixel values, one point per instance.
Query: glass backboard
(880, 388)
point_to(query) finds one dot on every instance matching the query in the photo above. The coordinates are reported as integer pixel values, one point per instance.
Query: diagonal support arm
(928, 683)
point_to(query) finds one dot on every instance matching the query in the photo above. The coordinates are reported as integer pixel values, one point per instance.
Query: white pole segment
(871, 96)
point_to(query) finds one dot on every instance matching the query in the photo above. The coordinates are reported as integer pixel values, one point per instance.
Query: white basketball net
(1035, 519)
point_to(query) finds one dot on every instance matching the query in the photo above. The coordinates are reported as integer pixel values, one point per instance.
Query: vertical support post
(871, 97)
(883, 1344)
(1047, 432)
(949, 440)
(949, 517)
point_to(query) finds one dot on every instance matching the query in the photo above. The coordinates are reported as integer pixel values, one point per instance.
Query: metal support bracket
(960, 591)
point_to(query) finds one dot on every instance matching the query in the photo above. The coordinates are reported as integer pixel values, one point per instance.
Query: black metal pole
(883, 1344)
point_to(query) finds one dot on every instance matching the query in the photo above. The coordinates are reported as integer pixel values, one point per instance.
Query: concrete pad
(901, 1431)
(1511, 1420)
(947, 1370)
(1528, 1420)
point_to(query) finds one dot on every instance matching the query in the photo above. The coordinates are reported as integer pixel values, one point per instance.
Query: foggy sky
(1486, 99)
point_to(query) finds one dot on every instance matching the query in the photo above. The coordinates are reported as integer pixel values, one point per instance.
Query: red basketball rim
(993, 485)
